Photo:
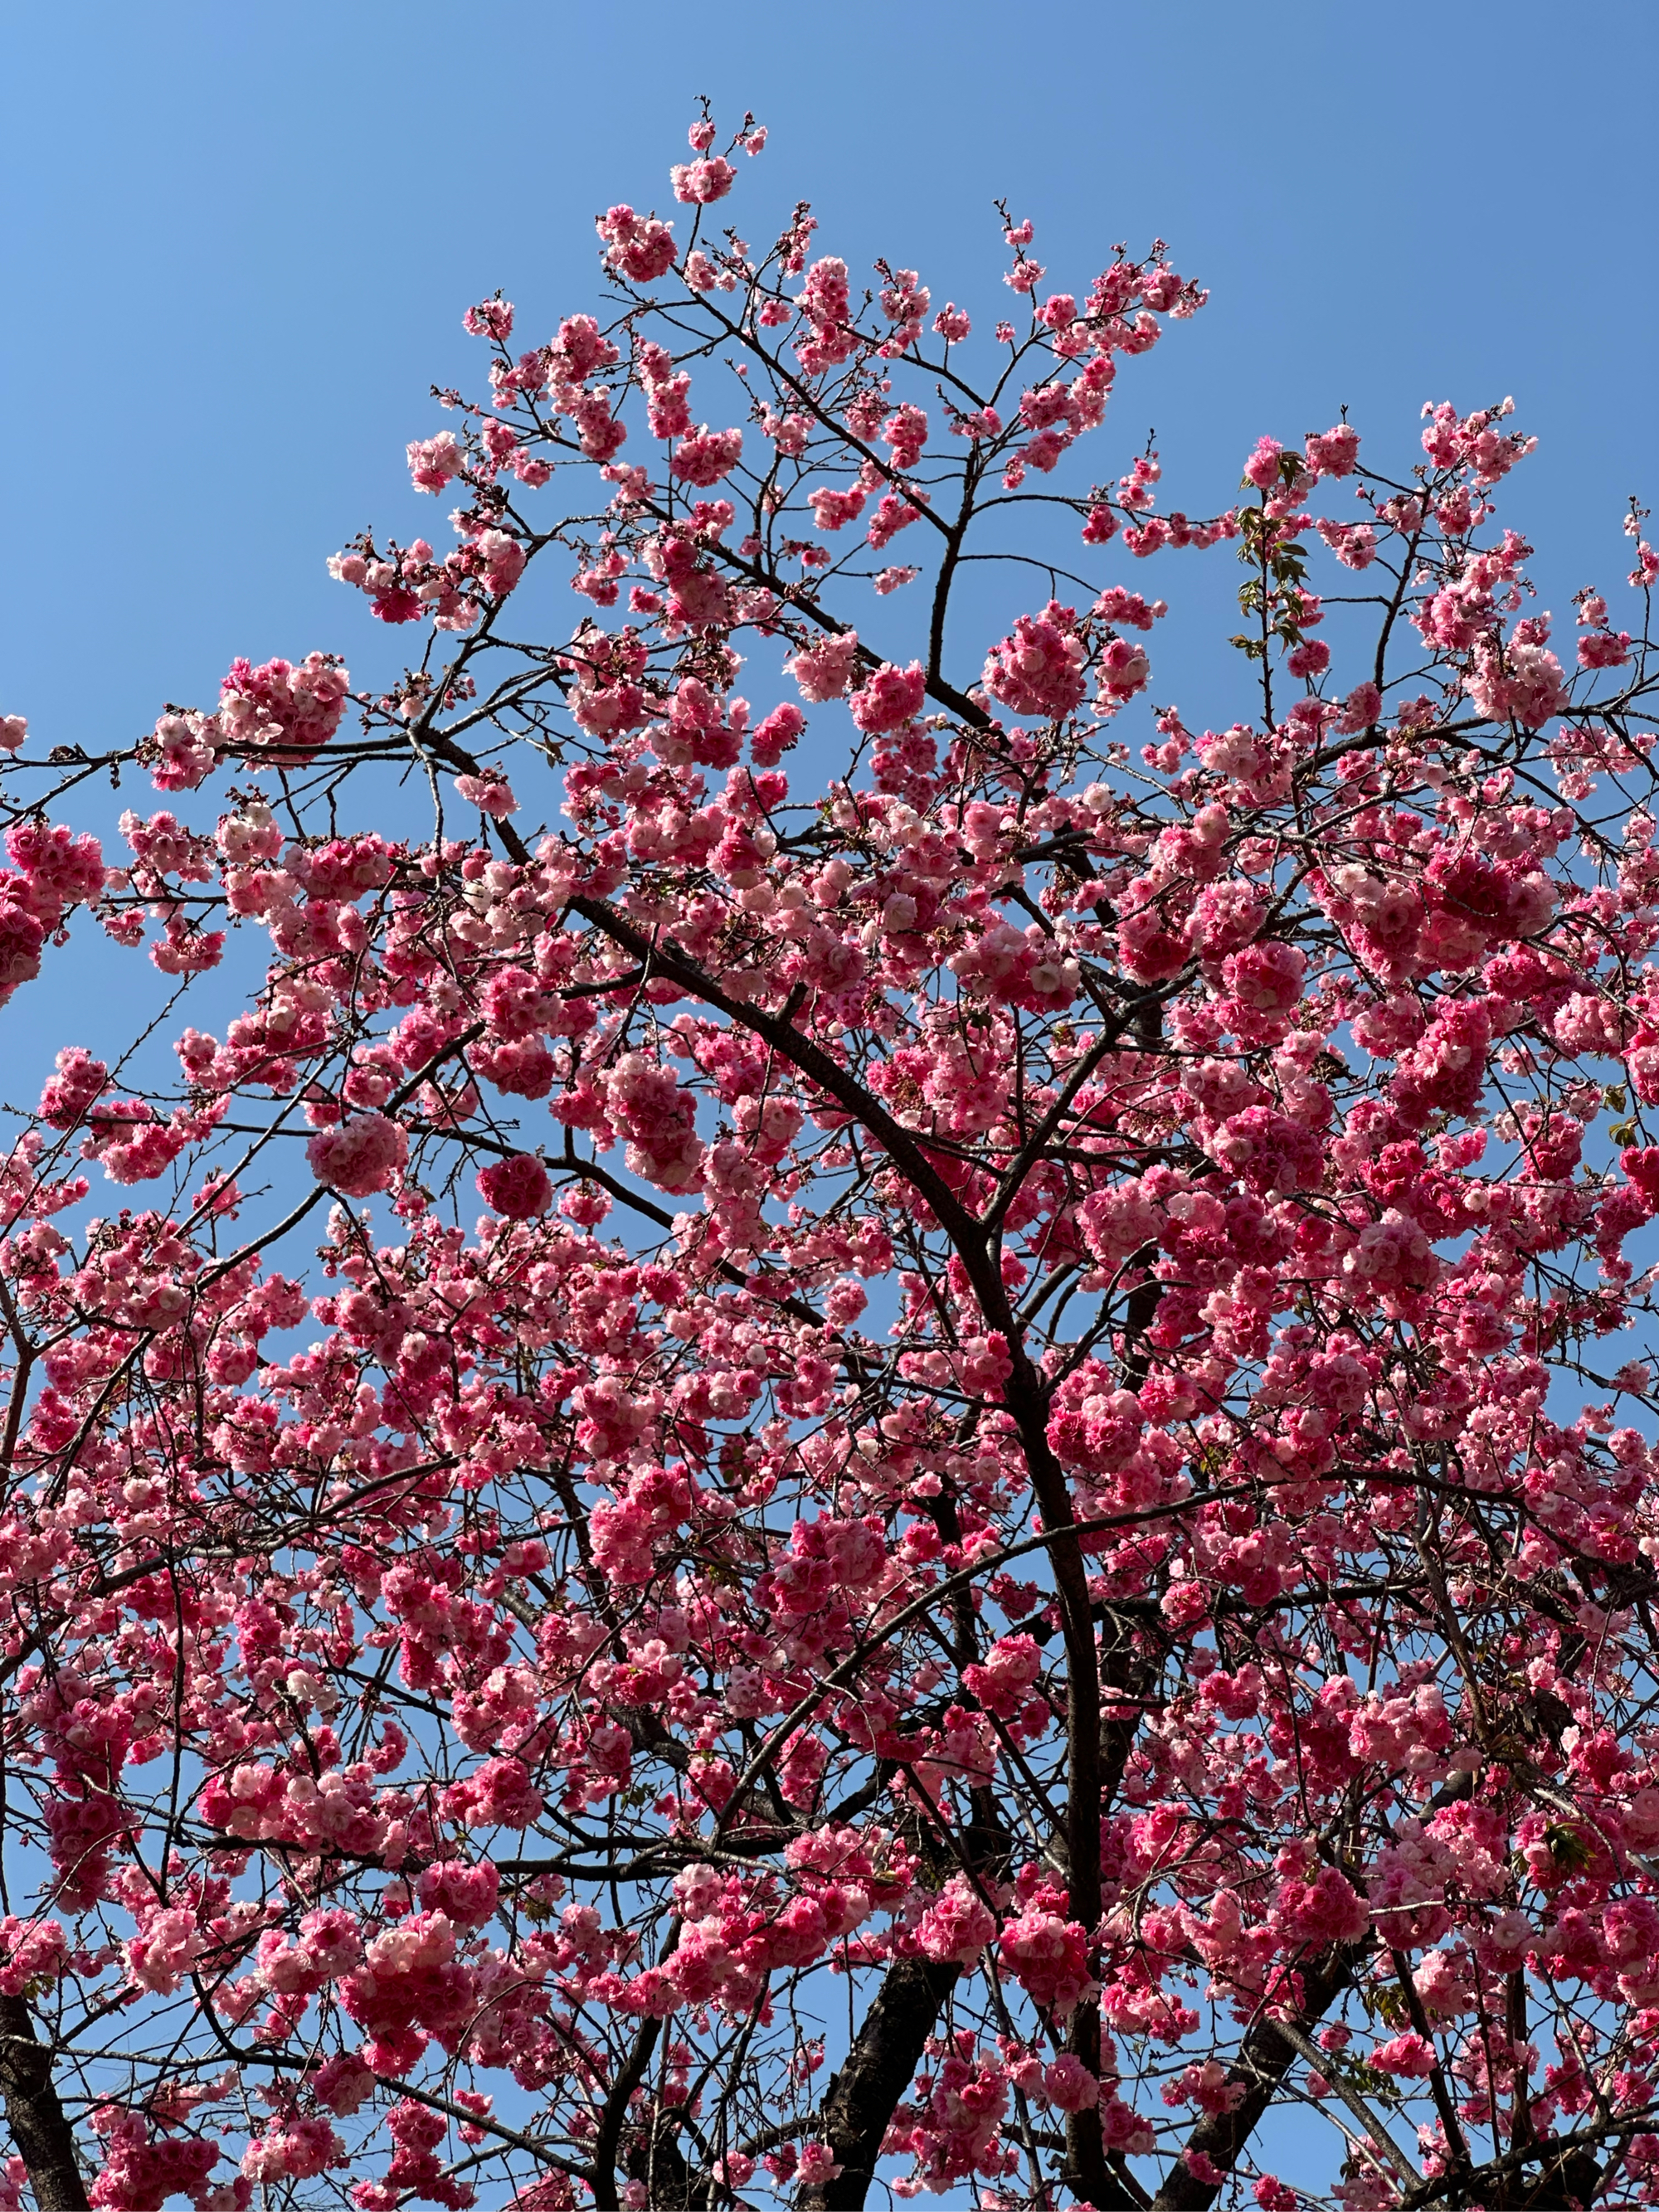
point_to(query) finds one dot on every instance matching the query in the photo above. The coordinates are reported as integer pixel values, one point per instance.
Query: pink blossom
(299, 2148)
(492, 794)
(280, 709)
(1604, 649)
(776, 734)
(30, 1951)
(490, 319)
(518, 1187)
(139, 2173)
(1038, 668)
(1261, 469)
(433, 462)
(1524, 681)
(699, 183)
(500, 1794)
(1068, 2085)
(1409, 2055)
(640, 248)
(957, 1925)
(825, 670)
(832, 509)
(1047, 1956)
(360, 1157)
(890, 697)
(183, 748)
(1333, 453)
(707, 455)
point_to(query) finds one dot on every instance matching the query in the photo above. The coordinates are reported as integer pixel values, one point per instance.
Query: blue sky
(237, 240)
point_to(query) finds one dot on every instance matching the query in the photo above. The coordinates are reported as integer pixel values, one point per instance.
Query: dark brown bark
(1026, 1399)
(614, 2117)
(1086, 1801)
(1570, 2174)
(653, 2158)
(1261, 2067)
(861, 2100)
(34, 2113)
(1129, 1672)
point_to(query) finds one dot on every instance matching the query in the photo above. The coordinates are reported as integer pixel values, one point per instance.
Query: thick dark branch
(611, 2120)
(1259, 2068)
(1130, 1673)
(664, 957)
(44, 2137)
(655, 2161)
(1572, 2174)
(1026, 1398)
(863, 2096)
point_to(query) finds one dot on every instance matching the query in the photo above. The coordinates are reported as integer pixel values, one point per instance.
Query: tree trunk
(44, 2137)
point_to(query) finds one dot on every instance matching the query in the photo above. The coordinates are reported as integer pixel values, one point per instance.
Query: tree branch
(1263, 2062)
(861, 2099)
(34, 2113)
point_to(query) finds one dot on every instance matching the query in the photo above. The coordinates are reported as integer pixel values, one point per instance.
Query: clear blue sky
(238, 238)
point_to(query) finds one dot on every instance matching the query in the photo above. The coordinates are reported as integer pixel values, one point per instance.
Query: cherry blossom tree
(973, 1511)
